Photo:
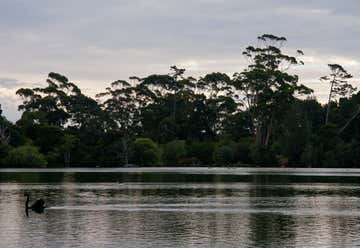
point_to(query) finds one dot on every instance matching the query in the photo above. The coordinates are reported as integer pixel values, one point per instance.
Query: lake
(181, 207)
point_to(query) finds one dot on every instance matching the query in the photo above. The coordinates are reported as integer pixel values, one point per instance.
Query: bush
(340, 157)
(25, 156)
(263, 157)
(174, 151)
(224, 155)
(242, 150)
(144, 152)
(202, 151)
(309, 157)
(4, 151)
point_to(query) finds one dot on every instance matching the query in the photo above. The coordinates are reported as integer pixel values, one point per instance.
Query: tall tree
(123, 104)
(59, 103)
(339, 85)
(265, 87)
(168, 85)
(219, 102)
(168, 105)
(4, 130)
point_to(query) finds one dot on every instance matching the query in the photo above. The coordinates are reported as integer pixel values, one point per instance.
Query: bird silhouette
(38, 206)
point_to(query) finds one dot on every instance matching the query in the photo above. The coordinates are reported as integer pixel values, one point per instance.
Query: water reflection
(143, 213)
(272, 229)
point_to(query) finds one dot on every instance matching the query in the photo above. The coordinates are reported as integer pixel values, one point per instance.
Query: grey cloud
(9, 106)
(10, 83)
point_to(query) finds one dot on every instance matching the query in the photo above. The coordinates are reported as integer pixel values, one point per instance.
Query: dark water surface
(117, 209)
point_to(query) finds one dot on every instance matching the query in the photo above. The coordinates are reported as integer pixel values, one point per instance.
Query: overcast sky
(94, 42)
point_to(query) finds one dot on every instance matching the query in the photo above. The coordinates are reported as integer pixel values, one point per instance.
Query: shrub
(224, 155)
(174, 151)
(4, 151)
(25, 156)
(202, 151)
(242, 150)
(144, 152)
(262, 156)
(309, 157)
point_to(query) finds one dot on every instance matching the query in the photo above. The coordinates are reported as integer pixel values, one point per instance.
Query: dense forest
(260, 116)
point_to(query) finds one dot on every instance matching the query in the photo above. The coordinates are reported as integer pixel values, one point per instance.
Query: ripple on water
(182, 215)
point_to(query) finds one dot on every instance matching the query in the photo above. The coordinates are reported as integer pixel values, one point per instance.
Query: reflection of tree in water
(143, 225)
(28, 177)
(271, 229)
(274, 230)
(191, 228)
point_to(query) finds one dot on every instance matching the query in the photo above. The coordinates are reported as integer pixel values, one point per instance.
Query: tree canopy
(261, 115)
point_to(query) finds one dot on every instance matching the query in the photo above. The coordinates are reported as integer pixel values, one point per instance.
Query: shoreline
(198, 170)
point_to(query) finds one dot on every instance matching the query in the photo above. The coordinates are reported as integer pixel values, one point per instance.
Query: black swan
(38, 206)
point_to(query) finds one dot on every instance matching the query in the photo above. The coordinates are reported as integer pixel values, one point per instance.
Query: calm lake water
(152, 209)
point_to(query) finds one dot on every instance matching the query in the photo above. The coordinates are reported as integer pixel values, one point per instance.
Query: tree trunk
(67, 159)
(174, 106)
(268, 133)
(328, 107)
(125, 150)
(4, 137)
(258, 135)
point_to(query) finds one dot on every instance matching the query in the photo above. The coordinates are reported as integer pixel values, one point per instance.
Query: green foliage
(242, 150)
(173, 152)
(4, 151)
(262, 156)
(202, 152)
(145, 152)
(309, 157)
(10, 134)
(267, 89)
(63, 151)
(25, 156)
(224, 155)
(294, 133)
(339, 86)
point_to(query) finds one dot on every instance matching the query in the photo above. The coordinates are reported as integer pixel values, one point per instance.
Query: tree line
(261, 116)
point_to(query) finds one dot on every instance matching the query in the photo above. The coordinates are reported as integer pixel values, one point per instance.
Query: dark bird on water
(38, 206)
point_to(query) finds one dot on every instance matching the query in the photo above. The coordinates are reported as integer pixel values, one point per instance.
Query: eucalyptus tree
(10, 136)
(123, 104)
(59, 103)
(214, 84)
(168, 85)
(4, 134)
(58, 108)
(50, 101)
(339, 86)
(347, 115)
(265, 87)
(220, 102)
(67, 145)
(164, 117)
(4, 130)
